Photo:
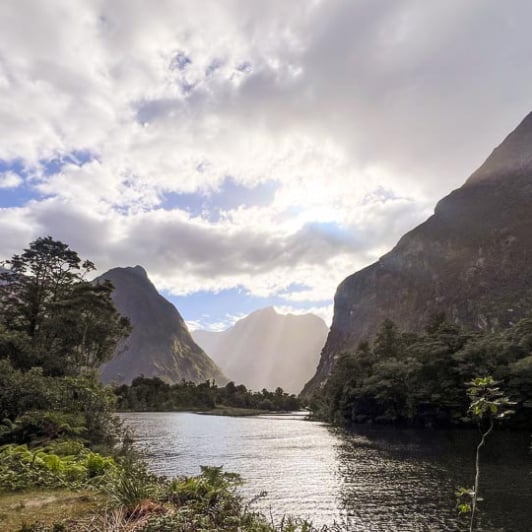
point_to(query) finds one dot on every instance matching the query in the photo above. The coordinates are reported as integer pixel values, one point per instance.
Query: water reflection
(405, 479)
(372, 479)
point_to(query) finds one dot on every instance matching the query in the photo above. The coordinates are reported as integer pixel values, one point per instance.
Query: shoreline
(227, 411)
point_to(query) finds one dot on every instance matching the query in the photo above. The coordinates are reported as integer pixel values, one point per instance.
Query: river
(371, 479)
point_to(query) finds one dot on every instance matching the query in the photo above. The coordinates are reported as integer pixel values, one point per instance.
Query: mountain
(267, 349)
(471, 260)
(160, 344)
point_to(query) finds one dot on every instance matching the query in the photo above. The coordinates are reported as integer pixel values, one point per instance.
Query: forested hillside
(420, 379)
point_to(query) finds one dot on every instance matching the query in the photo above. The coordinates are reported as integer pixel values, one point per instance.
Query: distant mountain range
(160, 344)
(267, 349)
(471, 260)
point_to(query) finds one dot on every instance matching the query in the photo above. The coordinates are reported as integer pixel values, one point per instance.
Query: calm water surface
(372, 479)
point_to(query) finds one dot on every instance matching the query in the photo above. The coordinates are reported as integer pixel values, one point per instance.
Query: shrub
(23, 468)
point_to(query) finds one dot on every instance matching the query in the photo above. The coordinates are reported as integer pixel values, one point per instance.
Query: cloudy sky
(248, 153)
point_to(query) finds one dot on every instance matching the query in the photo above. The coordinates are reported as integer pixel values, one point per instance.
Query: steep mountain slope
(267, 349)
(160, 344)
(471, 260)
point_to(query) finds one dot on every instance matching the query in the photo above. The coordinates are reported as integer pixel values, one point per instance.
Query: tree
(488, 403)
(51, 317)
(388, 342)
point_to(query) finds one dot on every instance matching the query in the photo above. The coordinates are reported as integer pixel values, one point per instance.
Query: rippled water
(373, 479)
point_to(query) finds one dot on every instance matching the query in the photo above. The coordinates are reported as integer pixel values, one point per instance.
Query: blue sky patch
(208, 308)
(20, 195)
(55, 165)
(17, 196)
(230, 195)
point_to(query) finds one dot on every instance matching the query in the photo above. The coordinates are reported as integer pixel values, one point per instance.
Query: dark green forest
(153, 394)
(421, 379)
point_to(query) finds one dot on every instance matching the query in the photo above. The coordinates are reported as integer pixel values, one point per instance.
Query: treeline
(420, 379)
(145, 394)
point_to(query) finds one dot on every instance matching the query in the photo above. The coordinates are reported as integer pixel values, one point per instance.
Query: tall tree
(51, 316)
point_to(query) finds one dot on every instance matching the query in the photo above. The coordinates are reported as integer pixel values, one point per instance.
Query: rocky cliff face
(267, 349)
(472, 260)
(160, 344)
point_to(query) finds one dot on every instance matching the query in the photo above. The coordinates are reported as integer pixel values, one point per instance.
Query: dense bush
(419, 379)
(38, 408)
(64, 464)
(210, 502)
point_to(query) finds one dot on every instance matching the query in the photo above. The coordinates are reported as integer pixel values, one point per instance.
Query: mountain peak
(160, 343)
(266, 349)
(513, 155)
(139, 270)
(266, 311)
(470, 260)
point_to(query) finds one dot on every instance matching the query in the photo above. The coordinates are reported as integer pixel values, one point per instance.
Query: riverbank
(22, 510)
(138, 501)
(235, 412)
(221, 410)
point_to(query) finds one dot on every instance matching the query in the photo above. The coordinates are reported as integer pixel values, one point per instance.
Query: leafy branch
(487, 404)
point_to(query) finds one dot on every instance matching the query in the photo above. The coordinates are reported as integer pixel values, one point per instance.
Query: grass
(47, 506)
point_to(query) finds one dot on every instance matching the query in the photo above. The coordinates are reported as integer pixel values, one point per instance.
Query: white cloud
(363, 114)
(325, 312)
(10, 180)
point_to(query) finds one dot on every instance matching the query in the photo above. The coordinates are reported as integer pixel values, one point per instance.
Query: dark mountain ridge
(470, 260)
(159, 344)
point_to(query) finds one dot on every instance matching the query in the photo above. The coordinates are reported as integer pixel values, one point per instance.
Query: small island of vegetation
(153, 394)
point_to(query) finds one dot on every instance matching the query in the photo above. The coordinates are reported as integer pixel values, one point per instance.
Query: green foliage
(209, 502)
(154, 394)
(50, 467)
(55, 329)
(44, 425)
(418, 379)
(131, 487)
(39, 408)
(207, 489)
(51, 317)
(487, 400)
(487, 403)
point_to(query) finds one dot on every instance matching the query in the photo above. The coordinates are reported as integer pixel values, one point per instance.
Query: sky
(248, 153)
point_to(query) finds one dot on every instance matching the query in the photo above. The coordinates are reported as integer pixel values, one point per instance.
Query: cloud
(249, 144)
(10, 180)
(325, 312)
